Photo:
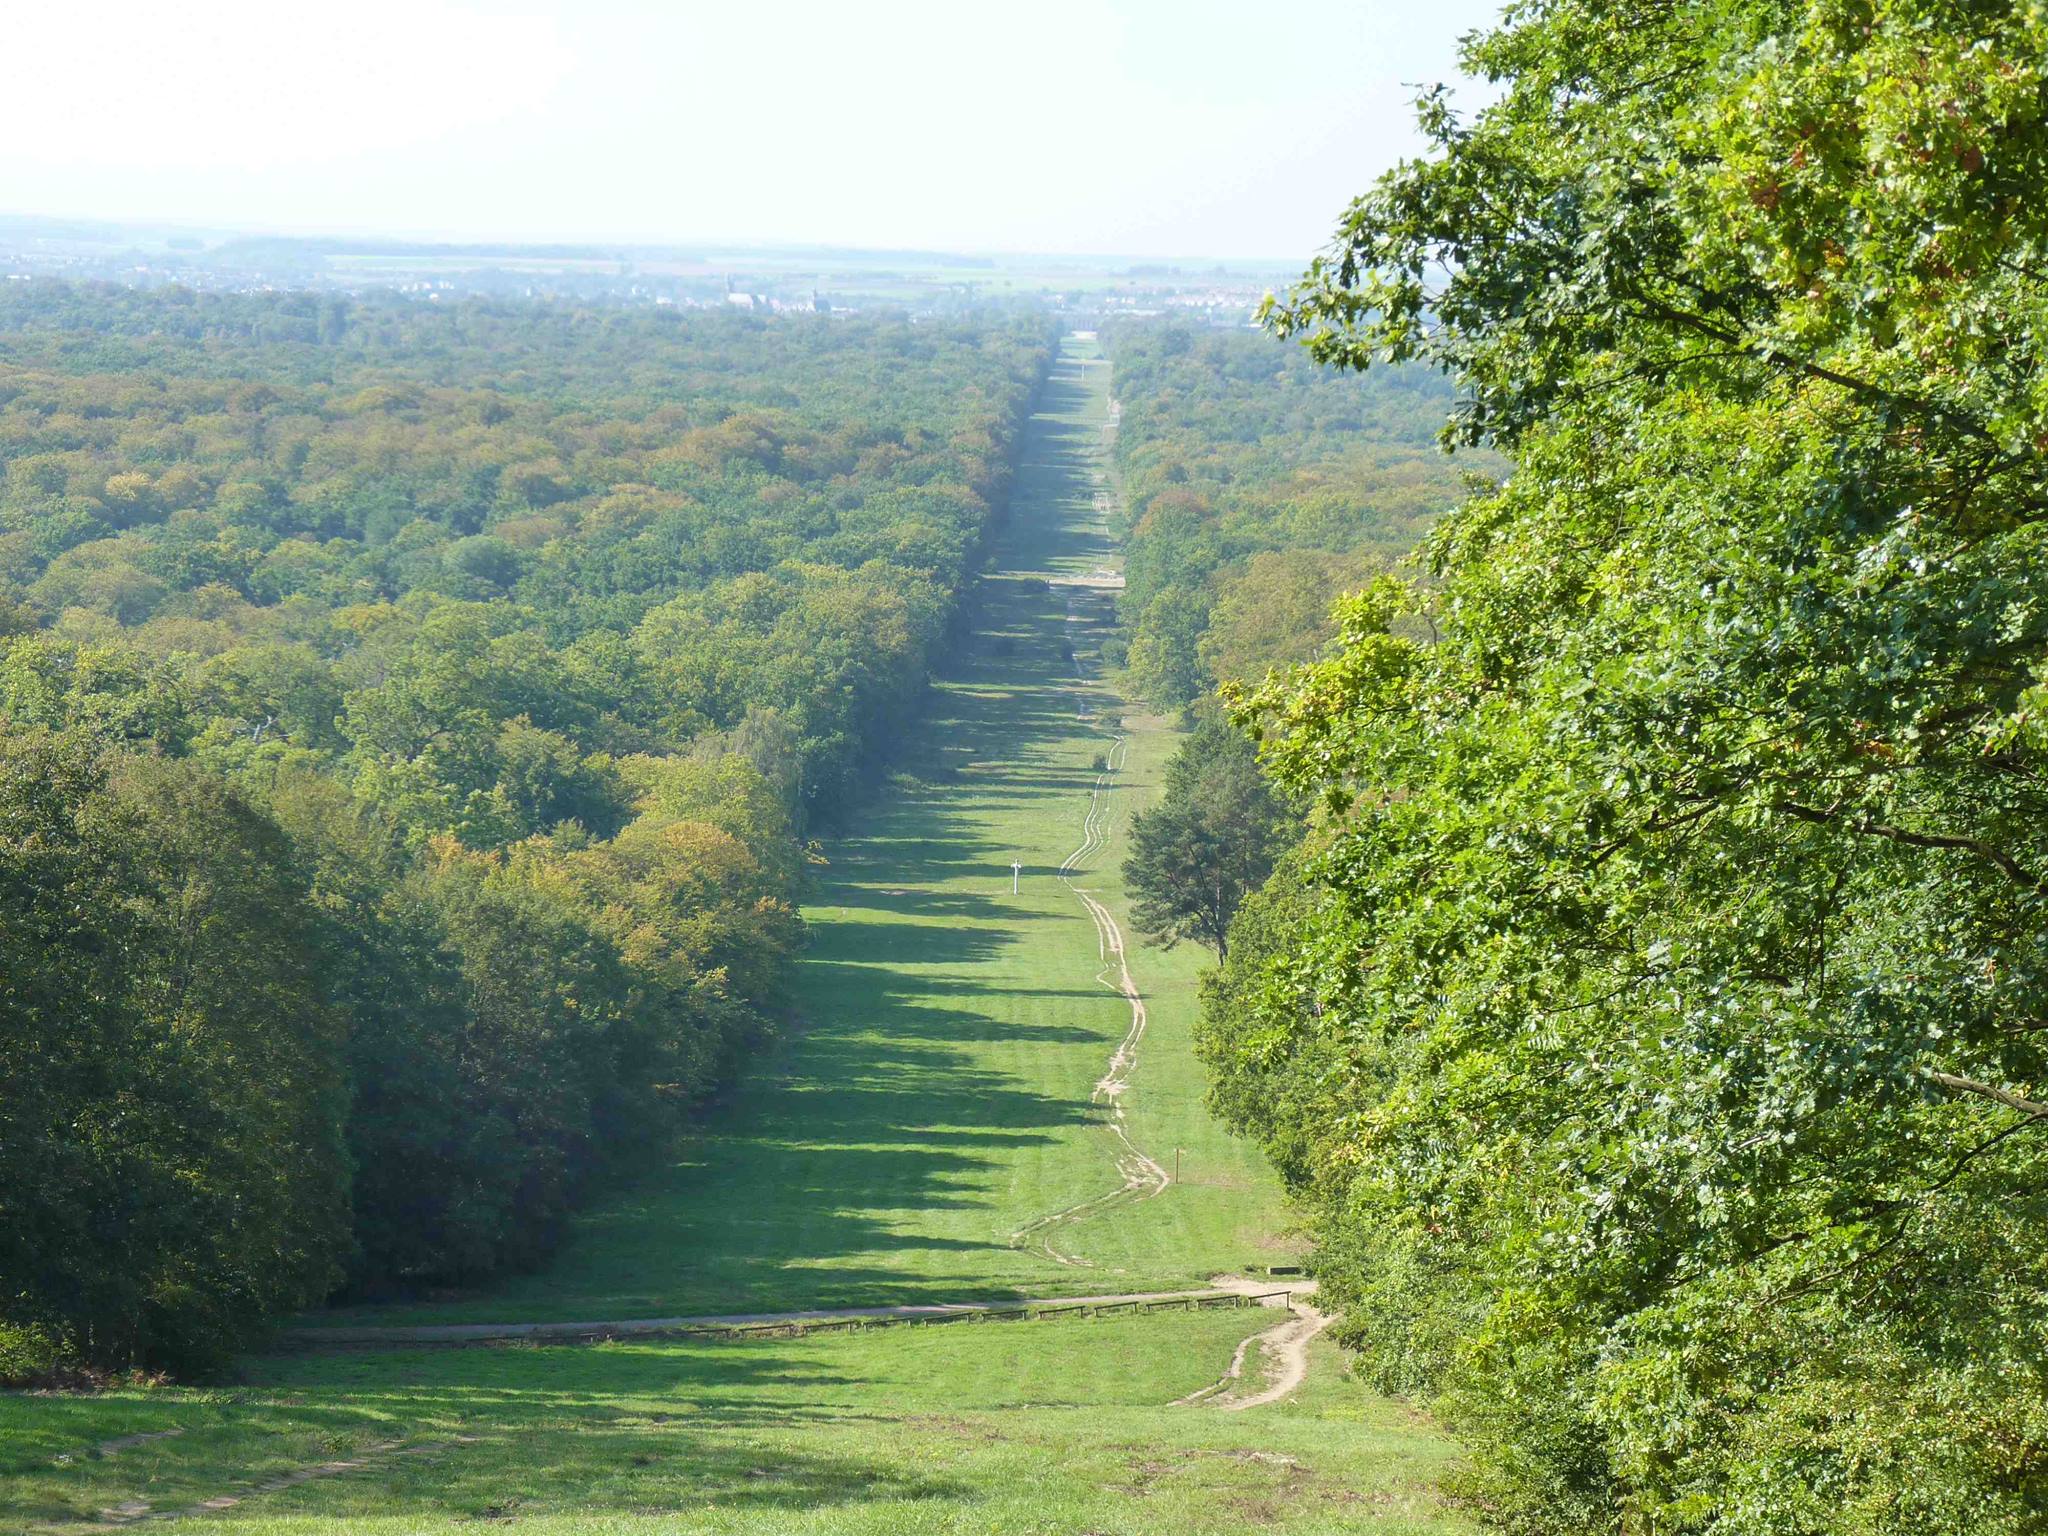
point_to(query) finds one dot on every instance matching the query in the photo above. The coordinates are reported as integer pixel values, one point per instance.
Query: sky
(1129, 127)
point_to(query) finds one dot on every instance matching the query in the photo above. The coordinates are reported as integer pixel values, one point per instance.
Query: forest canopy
(1255, 489)
(414, 718)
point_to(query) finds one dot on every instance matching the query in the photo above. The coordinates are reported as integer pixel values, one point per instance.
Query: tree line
(414, 719)
(1649, 1024)
(1255, 489)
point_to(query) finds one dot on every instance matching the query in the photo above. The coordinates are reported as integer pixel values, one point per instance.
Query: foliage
(1209, 841)
(170, 1160)
(1255, 489)
(521, 646)
(1657, 1042)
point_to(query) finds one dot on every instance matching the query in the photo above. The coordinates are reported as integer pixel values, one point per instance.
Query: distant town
(818, 279)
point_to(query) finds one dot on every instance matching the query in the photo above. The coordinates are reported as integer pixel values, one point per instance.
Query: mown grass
(936, 1099)
(1027, 1426)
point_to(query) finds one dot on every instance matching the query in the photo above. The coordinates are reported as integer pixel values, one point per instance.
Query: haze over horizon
(913, 125)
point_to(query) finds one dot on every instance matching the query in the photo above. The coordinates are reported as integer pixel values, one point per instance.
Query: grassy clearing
(937, 1099)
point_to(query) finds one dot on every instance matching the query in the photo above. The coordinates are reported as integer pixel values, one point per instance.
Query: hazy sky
(1170, 127)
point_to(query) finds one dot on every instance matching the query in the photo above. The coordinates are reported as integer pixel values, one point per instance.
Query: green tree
(1210, 840)
(1664, 1070)
(1275, 612)
(511, 707)
(171, 1173)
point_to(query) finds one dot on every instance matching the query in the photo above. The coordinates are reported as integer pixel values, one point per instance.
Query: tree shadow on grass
(951, 906)
(814, 1188)
(882, 944)
(804, 1188)
(913, 1019)
(575, 1469)
(497, 1433)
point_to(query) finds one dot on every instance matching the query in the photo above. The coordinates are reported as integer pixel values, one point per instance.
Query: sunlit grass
(1027, 1426)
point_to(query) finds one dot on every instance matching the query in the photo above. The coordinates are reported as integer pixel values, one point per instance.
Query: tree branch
(2016, 871)
(2032, 1108)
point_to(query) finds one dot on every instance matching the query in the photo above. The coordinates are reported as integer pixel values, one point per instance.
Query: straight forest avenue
(818, 841)
(938, 1101)
(983, 1102)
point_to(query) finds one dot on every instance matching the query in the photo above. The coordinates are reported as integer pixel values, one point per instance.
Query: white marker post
(1016, 869)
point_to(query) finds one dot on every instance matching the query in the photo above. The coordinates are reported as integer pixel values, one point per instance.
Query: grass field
(985, 1427)
(935, 1100)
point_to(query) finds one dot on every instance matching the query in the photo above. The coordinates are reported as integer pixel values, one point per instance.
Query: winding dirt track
(1283, 1351)
(1141, 1177)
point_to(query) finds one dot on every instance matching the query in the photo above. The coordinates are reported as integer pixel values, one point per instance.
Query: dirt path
(1142, 1178)
(1283, 1354)
(1282, 1350)
(489, 1333)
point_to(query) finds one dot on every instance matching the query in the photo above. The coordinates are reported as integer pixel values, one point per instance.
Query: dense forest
(1650, 1024)
(414, 718)
(1256, 488)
